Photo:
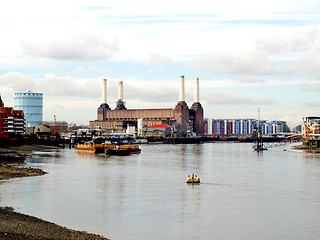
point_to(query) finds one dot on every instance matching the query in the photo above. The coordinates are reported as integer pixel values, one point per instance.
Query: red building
(12, 122)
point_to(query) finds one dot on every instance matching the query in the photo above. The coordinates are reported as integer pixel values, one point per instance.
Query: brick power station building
(182, 118)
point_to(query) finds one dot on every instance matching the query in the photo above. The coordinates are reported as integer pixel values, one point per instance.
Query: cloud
(249, 79)
(79, 71)
(299, 43)
(312, 64)
(159, 62)
(158, 59)
(310, 87)
(50, 85)
(220, 97)
(84, 46)
(16, 82)
(248, 62)
(315, 104)
(151, 92)
(67, 86)
(100, 71)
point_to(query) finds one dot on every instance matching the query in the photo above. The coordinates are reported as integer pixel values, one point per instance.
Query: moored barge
(93, 148)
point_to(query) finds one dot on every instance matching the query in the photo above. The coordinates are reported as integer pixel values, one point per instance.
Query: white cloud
(159, 60)
(16, 82)
(100, 70)
(90, 45)
(79, 71)
(300, 42)
(308, 86)
(315, 104)
(67, 86)
(240, 62)
(49, 84)
(249, 79)
(220, 97)
(312, 64)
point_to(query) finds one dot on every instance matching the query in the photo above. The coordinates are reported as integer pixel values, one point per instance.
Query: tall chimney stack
(196, 90)
(181, 89)
(120, 93)
(120, 102)
(104, 90)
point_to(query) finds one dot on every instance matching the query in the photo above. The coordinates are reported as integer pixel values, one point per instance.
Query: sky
(247, 54)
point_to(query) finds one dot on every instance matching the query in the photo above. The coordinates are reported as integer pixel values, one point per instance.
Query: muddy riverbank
(17, 226)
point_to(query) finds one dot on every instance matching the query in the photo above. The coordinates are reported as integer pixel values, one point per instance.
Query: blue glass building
(31, 104)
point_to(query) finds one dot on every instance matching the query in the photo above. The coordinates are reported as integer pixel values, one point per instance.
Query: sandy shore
(17, 226)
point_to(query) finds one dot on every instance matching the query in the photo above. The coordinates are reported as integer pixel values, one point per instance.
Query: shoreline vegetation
(18, 226)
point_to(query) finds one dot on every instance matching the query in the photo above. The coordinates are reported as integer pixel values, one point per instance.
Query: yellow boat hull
(193, 180)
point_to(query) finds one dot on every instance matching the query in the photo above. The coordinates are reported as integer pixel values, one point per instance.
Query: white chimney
(181, 88)
(120, 93)
(196, 90)
(104, 90)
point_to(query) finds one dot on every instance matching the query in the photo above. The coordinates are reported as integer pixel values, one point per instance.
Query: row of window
(29, 94)
(113, 125)
(131, 119)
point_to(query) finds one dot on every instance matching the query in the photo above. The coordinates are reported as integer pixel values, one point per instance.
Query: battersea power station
(181, 118)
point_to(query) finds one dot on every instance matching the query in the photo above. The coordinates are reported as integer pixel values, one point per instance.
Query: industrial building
(157, 130)
(12, 122)
(184, 120)
(62, 126)
(32, 104)
(243, 126)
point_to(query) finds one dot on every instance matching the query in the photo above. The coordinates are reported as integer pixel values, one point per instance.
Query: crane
(56, 126)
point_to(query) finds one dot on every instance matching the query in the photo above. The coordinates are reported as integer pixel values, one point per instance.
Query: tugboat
(117, 151)
(122, 150)
(193, 179)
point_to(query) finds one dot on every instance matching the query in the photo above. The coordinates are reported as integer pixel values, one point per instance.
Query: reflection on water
(243, 195)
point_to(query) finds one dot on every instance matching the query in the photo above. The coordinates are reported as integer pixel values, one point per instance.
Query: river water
(243, 194)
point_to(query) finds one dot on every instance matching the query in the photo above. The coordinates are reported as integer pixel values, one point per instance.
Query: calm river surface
(243, 194)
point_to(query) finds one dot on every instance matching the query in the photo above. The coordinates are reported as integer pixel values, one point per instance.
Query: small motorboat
(193, 179)
(259, 148)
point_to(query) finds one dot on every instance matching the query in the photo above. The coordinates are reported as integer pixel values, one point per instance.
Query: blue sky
(247, 54)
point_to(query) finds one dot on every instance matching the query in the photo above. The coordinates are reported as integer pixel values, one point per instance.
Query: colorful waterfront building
(12, 122)
(243, 126)
(311, 128)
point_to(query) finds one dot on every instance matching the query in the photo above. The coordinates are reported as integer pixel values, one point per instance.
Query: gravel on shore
(7, 172)
(17, 226)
